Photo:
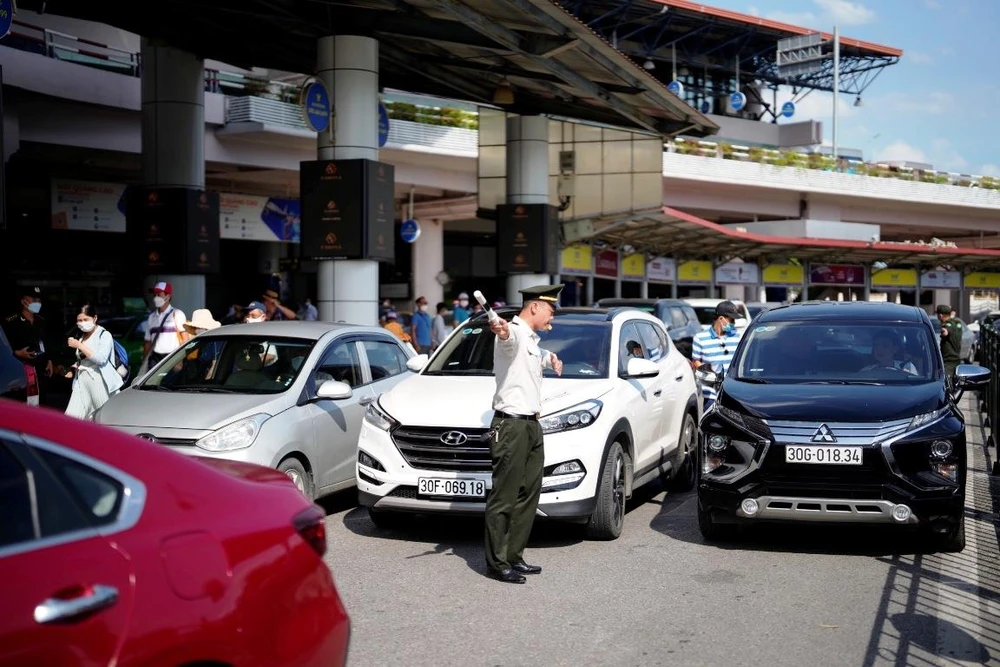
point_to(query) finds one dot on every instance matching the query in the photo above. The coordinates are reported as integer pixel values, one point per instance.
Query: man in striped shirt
(714, 347)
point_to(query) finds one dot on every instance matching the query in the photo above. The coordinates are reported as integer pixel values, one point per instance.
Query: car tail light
(311, 525)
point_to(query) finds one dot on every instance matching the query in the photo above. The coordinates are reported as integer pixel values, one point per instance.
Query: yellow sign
(982, 280)
(634, 266)
(783, 274)
(694, 272)
(894, 278)
(577, 259)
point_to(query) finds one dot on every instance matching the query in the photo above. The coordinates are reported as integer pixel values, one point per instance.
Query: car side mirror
(707, 376)
(417, 363)
(335, 390)
(969, 377)
(641, 368)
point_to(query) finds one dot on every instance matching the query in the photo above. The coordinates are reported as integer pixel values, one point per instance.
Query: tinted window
(677, 318)
(583, 347)
(705, 314)
(232, 364)
(384, 358)
(651, 342)
(20, 523)
(98, 495)
(630, 345)
(341, 363)
(890, 353)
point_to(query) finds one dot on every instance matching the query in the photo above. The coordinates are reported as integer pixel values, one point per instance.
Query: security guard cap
(547, 293)
(944, 310)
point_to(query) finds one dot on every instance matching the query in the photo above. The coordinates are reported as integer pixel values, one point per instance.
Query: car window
(340, 362)
(630, 345)
(692, 317)
(99, 495)
(677, 318)
(652, 343)
(385, 359)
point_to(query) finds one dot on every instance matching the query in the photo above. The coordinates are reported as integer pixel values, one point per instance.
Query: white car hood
(432, 400)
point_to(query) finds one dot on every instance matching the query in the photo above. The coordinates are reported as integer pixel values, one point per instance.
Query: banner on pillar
(527, 238)
(256, 218)
(88, 206)
(893, 278)
(606, 264)
(577, 260)
(847, 275)
(941, 280)
(784, 275)
(694, 272)
(982, 280)
(661, 269)
(736, 273)
(634, 267)
(348, 209)
(177, 229)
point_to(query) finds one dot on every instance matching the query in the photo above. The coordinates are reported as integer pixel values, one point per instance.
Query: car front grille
(435, 448)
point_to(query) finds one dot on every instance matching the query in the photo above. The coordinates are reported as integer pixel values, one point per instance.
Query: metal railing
(989, 356)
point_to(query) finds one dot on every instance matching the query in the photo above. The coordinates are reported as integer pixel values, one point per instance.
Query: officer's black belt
(504, 415)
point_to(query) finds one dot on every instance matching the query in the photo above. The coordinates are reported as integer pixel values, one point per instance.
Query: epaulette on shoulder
(11, 318)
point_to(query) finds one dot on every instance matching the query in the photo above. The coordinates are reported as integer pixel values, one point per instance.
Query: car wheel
(684, 479)
(713, 531)
(609, 516)
(299, 476)
(951, 542)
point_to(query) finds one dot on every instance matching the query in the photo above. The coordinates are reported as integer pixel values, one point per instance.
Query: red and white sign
(606, 264)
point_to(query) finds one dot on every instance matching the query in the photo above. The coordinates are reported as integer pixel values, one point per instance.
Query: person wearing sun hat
(201, 321)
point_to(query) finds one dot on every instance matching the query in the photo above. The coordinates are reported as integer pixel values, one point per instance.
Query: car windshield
(583, 347)
(232, 365)
(846, 352)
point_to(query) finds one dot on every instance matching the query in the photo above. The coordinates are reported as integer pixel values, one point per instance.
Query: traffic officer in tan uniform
(516, 444)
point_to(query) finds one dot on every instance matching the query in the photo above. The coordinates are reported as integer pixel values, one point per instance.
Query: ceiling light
(649, 65)
(504, 94)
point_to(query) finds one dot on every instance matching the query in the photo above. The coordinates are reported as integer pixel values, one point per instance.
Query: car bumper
(396, 486)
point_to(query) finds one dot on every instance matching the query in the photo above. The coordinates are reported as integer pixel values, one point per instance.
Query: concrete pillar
(527, 181)
(173, 140)
(428, 262)
(347, 290)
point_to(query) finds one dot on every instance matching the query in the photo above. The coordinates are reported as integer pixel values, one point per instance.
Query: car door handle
(90, 600)
(365, 400)
(657, 392)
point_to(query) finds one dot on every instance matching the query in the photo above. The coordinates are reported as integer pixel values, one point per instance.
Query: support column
(173, 141)
(347, 290)
(527, 181)
(428, 262)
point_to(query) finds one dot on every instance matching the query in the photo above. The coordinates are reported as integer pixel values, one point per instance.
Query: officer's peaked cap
(546, 293)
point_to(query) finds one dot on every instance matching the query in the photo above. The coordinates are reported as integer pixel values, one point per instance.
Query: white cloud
(902, 152)
(844, 12)
(932, 4)
(753, 10)
(991, 170)
(918, 57)
(945, 156)
(817, 105)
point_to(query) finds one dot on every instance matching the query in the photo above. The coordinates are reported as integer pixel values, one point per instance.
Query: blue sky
(939, 104)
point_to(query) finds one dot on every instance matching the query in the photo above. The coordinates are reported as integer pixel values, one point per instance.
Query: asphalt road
(659, 595)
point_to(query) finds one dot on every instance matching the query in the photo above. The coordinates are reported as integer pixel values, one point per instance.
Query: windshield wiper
(847, 382)
(154, 387)
(209, 390)
(755, 380)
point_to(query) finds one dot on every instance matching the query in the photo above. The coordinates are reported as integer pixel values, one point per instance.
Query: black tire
(385, 519)
(609, 515)
(686, 476)
(951, 542)
(712, 531)
(299, 475)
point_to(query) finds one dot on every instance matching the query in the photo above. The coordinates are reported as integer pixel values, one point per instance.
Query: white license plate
(466, 488)
(844, 456)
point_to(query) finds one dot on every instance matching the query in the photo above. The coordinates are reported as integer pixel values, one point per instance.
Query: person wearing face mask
(714, 347)
(461, 311)
(164, 327)
(420, 328)
(25, 330)
(94, 376)
(255, 312)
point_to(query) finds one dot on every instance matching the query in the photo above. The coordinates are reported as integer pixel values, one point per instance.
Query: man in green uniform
(951, 340)
(516, 444)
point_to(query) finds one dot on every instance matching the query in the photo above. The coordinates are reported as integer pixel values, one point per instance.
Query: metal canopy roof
(554, 63)
(712, 38)
(674, 233)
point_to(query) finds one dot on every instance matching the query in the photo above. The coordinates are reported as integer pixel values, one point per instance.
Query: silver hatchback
(290, 395)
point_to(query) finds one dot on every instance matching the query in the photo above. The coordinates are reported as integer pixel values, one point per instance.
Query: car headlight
(238, 435)
(579, 416)
(378, 418)
(927, 418)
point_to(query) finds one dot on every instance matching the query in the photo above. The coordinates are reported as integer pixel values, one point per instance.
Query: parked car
(612, 422)
(705, 309)
(755, 308)
(821, 419)
(290, 395)
(115, 551)
(13, 378)
(678, 317)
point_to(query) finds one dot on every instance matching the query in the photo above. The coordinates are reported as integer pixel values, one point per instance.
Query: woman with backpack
(95, 377)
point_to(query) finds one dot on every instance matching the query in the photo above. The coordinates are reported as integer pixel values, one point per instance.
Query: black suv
(678, 316)
(837, 412)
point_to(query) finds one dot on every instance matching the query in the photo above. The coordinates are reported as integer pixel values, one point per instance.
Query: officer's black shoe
(524, 568)
(507, 576)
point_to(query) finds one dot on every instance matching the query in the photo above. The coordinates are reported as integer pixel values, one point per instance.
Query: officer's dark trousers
(949, 369)
(518, 456)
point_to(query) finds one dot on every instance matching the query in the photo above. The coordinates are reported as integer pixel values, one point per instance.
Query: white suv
(612, 422)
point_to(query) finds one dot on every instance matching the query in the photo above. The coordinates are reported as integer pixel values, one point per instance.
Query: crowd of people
(424, 331)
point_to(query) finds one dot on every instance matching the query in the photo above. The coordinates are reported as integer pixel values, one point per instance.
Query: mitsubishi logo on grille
(454, 438)
(824, 434)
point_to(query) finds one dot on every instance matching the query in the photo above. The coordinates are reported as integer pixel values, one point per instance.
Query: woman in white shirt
(94, 375)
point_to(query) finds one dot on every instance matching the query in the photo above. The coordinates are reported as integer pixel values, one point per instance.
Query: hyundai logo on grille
(146, 436)
(454, 438)
(824, 434)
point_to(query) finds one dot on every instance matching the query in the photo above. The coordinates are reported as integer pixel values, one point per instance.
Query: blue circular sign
(6, 17)
(383, 125)
(706, 106)
(788, 109)
(737, 101)
(316, 106)
(409, 231)
(676, 87)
